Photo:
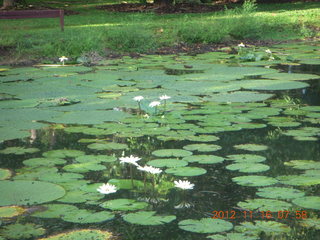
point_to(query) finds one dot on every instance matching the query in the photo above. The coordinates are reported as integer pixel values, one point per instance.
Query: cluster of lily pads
(93, 109)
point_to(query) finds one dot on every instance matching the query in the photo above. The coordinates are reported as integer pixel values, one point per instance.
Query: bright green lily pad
(233, 236)
(77, 196)
(254, 181)
(241, 96)
(126, 183)
(167, 162)
(273, 85)
(251, 147)
(35, 162)
(124, 204)
(19, 150)
(299, 180)
(203, 138)
(248, 167)
(4, 173)
(82, 234)
(95, 158)
(87, 216)
(63, 153)
(186, 171)
(84, 167)
(244, 158)
(171, 153)
(311, 223)
(291, 76)
(108, 146)
(204, 159)
(148, 218)
(205, 225)
(54, 210)
(21, 192)
(22, 231)
(280, 193)
(263, 204)
(11, 211)
(202, 147)
(270, 228)
(303, 164)
(311, 202)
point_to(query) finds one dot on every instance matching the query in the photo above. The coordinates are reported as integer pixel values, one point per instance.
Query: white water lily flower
(154, 104)
(107, 188)
(150, 169)
(268, 51)
(183, 184)
(138, 98)
(132, 160)
(241, 45)
(164, 97)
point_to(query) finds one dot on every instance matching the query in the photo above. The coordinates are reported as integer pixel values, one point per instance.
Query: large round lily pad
(254, 181)
(248, 167)
(148, 218)
(108, 146)
(204, 159)
(240, 96)
(124, 204)
(205, 225)
(262, 204)
(270, 228)
(54, 210)
(171, 153)
(186, 171)
(311, 202)
(19, 150)
(167, 162)
(244, 158)
(22, 231)
(86, 216)
(280, 193)
(202, 147)
(251, 147)
(21, 192)
(63, 153)
(83, 234)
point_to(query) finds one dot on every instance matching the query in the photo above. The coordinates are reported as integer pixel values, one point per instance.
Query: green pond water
(243, 128)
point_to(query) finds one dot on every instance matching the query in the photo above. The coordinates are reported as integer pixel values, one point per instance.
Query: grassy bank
(99, 31)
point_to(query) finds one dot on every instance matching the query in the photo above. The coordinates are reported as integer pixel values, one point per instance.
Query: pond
(221, 145)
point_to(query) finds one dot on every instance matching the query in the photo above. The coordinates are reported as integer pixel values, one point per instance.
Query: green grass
(96, 30)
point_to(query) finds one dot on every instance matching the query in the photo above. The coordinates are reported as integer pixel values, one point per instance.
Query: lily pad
(167, 162)
(87, 216)
(4, 173)
(35, 162)
(84, 167)
(82, 234)
(21, 192)
(311, 202)
(303, 164)
(95, 158)
(148, 218)
(124, 204)
(233, 236)
(263, 204)
(126, 183)
(299, 180)
(54, 210)
(186, 171)
(246, 158)
(11, 211)
(63, 153)
(270, 228)
(280, 193)
(254, 181)
(204, 159)
(311, 223)
(22, 231)
(251, 147)
(77, 196)
(248, 167)
(273, 85)
(171, 153)
(108, 146)
(202, 147)
(241, 96)
(19, 150)
(205, 225)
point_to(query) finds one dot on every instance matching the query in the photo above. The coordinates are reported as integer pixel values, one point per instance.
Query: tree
(8, 4)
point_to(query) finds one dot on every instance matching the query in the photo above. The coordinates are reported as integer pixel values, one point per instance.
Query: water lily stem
(139, 108)
(131, 174)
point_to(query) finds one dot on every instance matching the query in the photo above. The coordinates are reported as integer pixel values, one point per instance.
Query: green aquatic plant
(148, 218)
(205, 225)
(22, 231)
(81, 234)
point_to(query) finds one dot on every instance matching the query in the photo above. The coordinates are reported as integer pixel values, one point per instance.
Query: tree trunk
(162, 3)
(8, 4)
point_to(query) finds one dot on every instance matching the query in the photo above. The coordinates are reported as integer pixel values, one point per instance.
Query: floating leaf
(63, 153)
(77, 196)
(248, 167)
(35, 162)
(186, 171)
(19, 150)
(4, 173)
(273, 85)
(204, 159)
(108, 146)
(311, 223)
(84, 167)
(148, 218)
(60, 177)
(311, 202)
(280, 193)
(251, 147)
(299, 180)
(82, 234)
(233, 236)
(11, 211)
(270, 228)
(167, 162)
(203, 138)
(263, 204)
(202, 147)
(205, 225)
(28, 192)
(254, 181)
(22, 231)
(171, 153)
(124, 204)
(303, 164)
(126, 183)
(246, 158)
(242, 96)
(95, 158)
(87, 216)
